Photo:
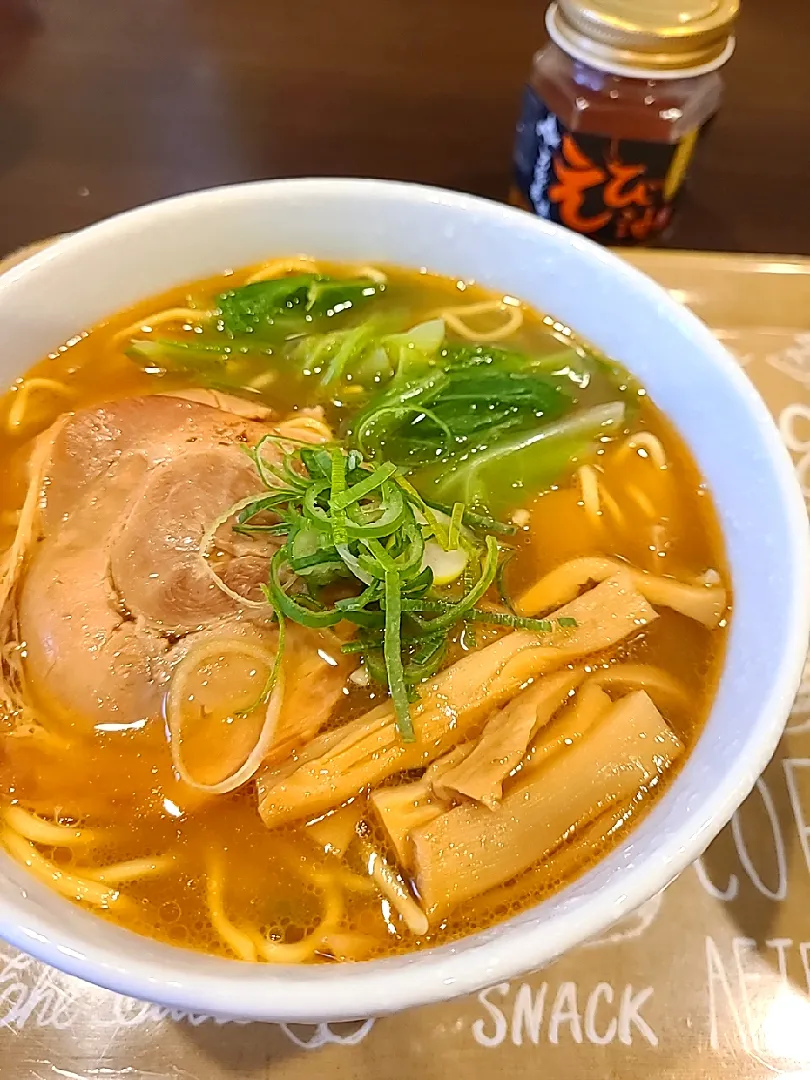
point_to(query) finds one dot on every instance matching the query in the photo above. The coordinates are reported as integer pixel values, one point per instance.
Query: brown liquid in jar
(599, 102)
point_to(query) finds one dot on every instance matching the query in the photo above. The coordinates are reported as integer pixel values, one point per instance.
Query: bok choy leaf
(498, 477)
(292, 305)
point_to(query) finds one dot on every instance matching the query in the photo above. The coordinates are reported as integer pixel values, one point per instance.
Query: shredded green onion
(454, 532)
(344, 521)
(340, 500)
(393, 655)
(340, 533)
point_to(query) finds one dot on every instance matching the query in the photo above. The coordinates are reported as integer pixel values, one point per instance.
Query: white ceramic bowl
(111, 265)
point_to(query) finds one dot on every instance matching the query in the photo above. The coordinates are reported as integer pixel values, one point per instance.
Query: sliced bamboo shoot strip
(659, 684)
(454, 757)
(565, 730)
(704, 603)
(337, 765)
(402, 809)
(567, 860)
(470, 849)
(504, 740)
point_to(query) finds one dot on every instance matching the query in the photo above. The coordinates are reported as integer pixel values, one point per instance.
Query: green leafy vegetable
(366, 356)
(500, 475)
(160, 351)
(349, 347)
(461, 421)
(289, 305)
(196, 353)
(221, 364)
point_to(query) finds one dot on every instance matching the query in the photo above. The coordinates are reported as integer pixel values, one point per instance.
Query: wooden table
(110, 103)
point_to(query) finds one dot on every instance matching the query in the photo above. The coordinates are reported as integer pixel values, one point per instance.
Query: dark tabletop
(105, 104)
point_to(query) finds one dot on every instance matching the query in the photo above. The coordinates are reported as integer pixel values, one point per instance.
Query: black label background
(539, 151)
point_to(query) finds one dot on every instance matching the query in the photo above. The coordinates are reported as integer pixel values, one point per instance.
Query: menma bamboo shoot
(471, 849)
(337, 765)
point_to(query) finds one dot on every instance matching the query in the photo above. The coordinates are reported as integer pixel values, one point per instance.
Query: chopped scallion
(344, 521)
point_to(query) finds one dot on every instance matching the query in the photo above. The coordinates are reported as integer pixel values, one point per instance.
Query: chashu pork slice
(115, 591)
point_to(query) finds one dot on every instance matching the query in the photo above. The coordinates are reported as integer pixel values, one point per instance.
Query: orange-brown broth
(123, 780)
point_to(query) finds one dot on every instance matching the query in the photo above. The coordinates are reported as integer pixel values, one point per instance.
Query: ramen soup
(346, 611)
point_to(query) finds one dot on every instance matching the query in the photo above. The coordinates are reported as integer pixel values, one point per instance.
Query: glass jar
(613, 109)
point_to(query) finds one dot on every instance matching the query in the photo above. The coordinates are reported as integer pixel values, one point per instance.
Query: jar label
(617, 191)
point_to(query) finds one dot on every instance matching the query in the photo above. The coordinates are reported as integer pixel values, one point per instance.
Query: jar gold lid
(669, 36)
